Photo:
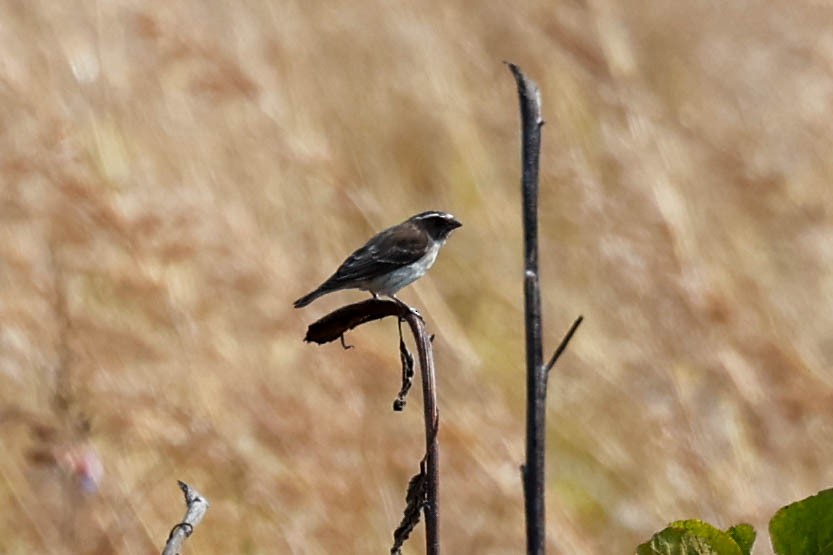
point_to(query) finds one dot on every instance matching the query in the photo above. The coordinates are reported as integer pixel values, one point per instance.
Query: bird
(391, 259)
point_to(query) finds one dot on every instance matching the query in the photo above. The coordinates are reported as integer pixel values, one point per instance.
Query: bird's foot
(411, 309)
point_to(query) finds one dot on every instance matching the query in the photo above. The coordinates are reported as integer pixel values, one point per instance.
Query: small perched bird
(391, 259)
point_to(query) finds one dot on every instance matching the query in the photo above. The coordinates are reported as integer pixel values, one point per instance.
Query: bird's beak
(455, 223)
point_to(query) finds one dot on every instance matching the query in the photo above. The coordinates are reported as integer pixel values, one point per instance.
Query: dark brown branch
(563, 345)
(196, 505)
(335, 325)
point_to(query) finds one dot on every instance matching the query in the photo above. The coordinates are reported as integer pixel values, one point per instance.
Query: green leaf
(744, 535)
(673, 541)
(804, 527)
(690, 537)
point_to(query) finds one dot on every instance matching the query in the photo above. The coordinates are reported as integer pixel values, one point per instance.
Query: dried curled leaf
(407, 360)
(335, 324)
(414, 502)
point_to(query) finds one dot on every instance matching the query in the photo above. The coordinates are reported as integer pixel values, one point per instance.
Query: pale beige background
(183, 170)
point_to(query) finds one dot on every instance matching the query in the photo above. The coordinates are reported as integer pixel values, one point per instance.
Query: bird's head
(437, 224)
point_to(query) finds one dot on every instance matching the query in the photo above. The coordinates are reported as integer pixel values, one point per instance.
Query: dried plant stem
(432, 422)
(333, 326)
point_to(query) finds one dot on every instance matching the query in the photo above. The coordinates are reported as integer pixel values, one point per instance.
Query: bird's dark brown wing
(391, 249)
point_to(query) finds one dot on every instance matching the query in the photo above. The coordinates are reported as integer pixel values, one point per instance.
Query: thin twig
(563, 345)
(197, 505)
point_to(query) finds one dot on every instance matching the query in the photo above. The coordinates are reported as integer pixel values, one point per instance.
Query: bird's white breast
(392, 282)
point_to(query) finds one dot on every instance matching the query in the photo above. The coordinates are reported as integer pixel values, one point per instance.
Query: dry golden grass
(179, 172)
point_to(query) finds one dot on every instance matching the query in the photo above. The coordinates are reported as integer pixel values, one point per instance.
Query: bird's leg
(411, 309)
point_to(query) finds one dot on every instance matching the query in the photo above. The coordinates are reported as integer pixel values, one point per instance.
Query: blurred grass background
(175, 174)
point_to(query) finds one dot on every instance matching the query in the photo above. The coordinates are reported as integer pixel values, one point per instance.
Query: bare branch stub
(344, 344)
(196, 505)
(563, 345)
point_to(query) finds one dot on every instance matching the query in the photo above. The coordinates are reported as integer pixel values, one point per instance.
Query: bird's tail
(323, 289)
(308, 298)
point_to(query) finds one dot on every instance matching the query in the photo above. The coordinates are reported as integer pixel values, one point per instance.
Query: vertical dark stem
(536, 381)
(432, 446)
